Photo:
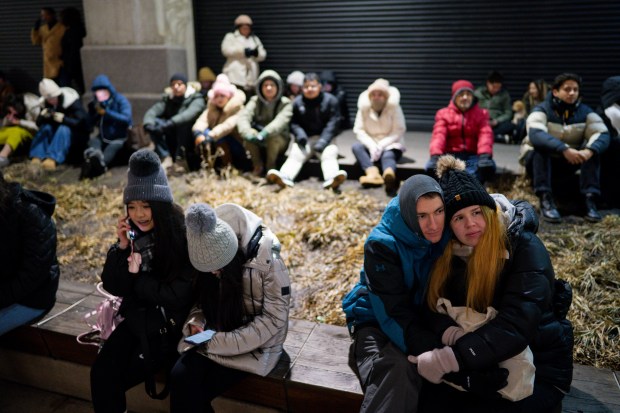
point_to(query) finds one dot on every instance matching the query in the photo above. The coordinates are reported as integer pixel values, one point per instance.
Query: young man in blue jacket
(383, 310)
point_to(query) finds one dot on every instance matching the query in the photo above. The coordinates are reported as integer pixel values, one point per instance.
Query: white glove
(58, 117)
(432, 365)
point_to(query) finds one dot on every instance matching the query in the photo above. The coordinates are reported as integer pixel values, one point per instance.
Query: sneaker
(275, 177)
(4, 161)
(49, 164)
(336, 181)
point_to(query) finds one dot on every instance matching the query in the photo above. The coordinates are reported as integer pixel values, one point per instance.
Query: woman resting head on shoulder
(494, 260)
(242, 305)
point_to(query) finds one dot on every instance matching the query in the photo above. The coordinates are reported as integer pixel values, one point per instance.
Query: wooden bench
(313, 374)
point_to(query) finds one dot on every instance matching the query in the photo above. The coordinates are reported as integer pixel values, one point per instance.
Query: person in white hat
(63, 124)
(243, 305)
(380, 129)
(243, 51)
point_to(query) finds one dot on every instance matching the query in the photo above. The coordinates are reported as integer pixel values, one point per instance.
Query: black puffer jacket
(524, 300)
(29, 273)
(319, 116)
(147, 289)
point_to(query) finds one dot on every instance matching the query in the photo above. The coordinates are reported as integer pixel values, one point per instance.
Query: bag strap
(150, 385)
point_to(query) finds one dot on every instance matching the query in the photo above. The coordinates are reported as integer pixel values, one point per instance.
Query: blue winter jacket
(390, 293)
(114, 122)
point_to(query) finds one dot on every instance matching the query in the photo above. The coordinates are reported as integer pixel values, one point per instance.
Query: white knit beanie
(49, 89)
(211, 242)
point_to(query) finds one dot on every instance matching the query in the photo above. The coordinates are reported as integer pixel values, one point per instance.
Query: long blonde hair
(483, 266)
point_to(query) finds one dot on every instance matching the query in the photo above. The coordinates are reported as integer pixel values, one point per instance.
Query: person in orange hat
(243, 51)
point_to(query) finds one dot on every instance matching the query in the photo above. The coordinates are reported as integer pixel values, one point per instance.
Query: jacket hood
(329, 76)
(518, 215)
(273, 75)
(45, 201)
(611, 91)
(68, 94)
(237, 100)
(394, 223)
(103, 82)
(245, 223)
(363, 102)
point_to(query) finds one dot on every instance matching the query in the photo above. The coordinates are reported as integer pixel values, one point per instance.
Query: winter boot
(372, 178)
(391, 184)
(549, 211)
(592, 214)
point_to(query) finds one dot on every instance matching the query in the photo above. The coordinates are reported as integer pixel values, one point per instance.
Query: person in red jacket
(462, 129)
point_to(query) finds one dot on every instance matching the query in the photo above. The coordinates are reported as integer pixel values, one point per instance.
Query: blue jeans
(388, 159)
(51, 142)
(541, 163)
(16, 315)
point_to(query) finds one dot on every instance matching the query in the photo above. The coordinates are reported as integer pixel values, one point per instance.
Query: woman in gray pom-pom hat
(240, 320)
(149, 268)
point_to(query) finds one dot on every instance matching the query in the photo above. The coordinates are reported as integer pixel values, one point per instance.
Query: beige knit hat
(49, 89)
(211, 242)
(243, 19)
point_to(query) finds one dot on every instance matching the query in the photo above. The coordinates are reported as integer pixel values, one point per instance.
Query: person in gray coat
(242, 305)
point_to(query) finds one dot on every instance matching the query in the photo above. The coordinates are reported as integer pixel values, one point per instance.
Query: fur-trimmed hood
(363, 102)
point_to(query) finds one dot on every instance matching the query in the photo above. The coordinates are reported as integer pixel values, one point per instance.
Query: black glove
(485, 161)
(249, 52)
(302, 142)
(480, 382)
(167, 125)
(320, 145)
(153, 129)
(433, 161)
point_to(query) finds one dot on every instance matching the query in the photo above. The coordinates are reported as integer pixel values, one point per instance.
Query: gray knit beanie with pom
(211, 242)
(146, 179)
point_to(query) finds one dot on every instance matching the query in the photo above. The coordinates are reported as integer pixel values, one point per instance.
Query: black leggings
(196, 380)
(119, 367)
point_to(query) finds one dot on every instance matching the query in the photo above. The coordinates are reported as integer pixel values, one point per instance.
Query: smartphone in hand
(200, 337)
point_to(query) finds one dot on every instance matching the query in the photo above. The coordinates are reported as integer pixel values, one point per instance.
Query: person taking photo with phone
(149, 268)
(242, 295)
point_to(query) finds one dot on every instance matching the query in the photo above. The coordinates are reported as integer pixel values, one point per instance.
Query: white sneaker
(336, 181)
(275, 177)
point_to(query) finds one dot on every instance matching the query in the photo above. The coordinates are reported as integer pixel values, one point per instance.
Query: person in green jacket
(497, 102)
(265, 121)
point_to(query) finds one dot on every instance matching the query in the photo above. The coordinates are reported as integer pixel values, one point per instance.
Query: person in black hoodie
(314, 125)
(495, 264)
(331, 85)
(30, 272)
